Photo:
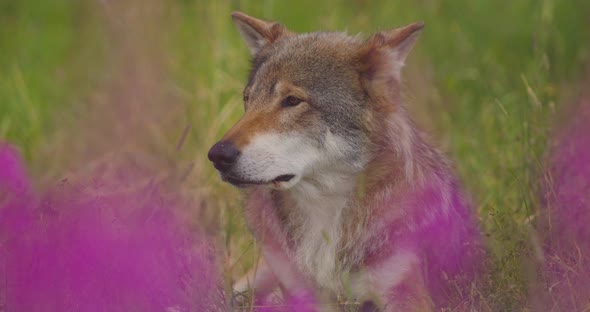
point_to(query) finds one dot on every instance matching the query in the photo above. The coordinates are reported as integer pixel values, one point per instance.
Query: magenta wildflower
(98, 246)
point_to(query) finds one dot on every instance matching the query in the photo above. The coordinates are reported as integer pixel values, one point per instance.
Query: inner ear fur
(258, 33)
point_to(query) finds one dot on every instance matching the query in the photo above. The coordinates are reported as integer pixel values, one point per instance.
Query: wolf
(344, 193)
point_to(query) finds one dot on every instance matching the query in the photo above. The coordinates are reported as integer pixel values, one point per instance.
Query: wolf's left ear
(256, 32)
(390, 48)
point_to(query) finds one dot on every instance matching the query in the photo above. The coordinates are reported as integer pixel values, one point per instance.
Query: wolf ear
(390, 48)
(382, 59)
(256, 32)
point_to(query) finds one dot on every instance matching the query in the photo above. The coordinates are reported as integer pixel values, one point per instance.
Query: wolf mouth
(244, 183)
(284, 178)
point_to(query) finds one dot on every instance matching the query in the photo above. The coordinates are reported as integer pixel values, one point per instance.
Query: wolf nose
(223, 155)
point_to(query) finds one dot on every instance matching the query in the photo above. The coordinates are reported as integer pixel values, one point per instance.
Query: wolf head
(313, 102)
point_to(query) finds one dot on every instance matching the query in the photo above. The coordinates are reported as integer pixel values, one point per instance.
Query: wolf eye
(291, 101)
(246, 97)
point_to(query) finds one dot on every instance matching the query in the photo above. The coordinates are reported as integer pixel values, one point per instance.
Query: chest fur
(316, 221)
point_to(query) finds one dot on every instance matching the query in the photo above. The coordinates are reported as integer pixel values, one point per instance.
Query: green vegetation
(487, 76)
(47, 54)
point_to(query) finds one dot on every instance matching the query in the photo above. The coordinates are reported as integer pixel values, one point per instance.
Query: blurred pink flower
(565, 217)
(98, 246)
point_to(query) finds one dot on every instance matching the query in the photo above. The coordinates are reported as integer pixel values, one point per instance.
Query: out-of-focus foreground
(92, 82)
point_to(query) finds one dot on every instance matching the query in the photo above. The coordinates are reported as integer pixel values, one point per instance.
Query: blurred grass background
(487, 78)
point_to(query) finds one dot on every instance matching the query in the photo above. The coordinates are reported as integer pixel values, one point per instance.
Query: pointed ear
(394, 45)
(256, 32)
(382, 59)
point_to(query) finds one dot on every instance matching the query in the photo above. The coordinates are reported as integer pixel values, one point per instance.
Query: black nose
(223, 155)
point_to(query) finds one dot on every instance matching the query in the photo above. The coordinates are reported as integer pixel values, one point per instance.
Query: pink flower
(98, 246)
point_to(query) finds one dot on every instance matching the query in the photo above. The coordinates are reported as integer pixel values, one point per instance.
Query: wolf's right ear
(256, 32)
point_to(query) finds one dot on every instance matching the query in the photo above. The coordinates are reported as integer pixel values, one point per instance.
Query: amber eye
(291, 101)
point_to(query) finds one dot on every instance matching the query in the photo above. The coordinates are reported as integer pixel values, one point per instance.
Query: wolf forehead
(321, 62)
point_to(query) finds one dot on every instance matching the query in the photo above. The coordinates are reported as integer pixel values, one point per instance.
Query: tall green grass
(488, 77)
(49, 54)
